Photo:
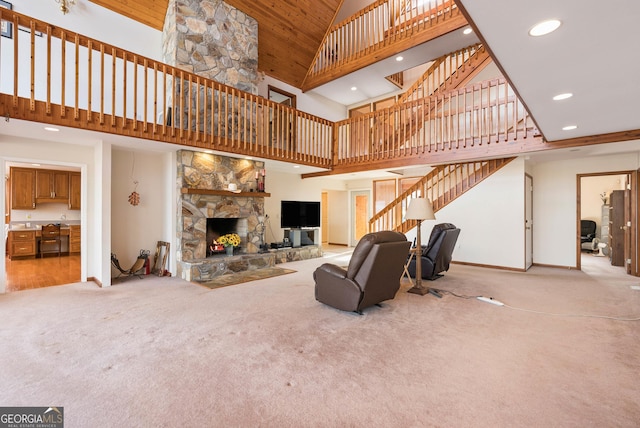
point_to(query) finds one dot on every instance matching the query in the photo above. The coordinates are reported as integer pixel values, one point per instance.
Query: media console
(302, 237)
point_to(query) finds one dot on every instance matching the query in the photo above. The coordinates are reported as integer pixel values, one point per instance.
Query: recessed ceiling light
(467, 31)
(399, 58)
(544, 27)
(353, 88)
(569, 127)
(296, 166)
(35, 164)
(562, 96)
(50, 128)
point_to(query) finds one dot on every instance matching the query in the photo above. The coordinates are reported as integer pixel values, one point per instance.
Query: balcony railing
(52, 75)
(55, 76)
(353, 42)
(485, 114)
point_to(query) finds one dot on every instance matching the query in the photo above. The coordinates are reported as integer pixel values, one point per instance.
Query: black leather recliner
(373, 274)
(436, 255)
(587, 231)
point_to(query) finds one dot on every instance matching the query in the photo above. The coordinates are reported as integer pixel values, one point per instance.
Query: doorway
(361, 209)
(610, 200)
(528, 221)
(61, 205)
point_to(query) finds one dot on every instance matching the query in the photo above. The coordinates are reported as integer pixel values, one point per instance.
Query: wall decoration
(6, 29)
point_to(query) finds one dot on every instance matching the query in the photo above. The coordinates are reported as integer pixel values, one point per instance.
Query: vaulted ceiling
(591, 55)
(290, 29)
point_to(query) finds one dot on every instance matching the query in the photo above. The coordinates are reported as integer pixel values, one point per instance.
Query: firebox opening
(216, 227)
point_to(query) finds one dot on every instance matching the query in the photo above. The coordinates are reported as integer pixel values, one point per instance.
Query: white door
(528, 221)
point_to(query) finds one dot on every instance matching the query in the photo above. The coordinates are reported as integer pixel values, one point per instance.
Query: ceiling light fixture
(50, 128)
(353, 88)
(544, 27)
(569, 127)
(564, 96)
(467, 31)
(65, 5)
(399, 58)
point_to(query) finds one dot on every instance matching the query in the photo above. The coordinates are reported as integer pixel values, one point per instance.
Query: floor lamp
(419, 209)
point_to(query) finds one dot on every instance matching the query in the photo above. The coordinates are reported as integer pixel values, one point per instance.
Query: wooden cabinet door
(23, 188)
(74, 190)
(60, 185)
(51, 185)
(44, 184)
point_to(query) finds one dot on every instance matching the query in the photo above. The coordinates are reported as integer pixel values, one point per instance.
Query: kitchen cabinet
(74, 190)
(22, 243)
(52, 186)
(74, 239)
(23, 188)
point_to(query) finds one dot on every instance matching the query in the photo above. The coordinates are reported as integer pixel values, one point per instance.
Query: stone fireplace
(202, 182)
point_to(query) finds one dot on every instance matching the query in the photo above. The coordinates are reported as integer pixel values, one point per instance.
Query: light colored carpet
(162, 352)
(246, 276)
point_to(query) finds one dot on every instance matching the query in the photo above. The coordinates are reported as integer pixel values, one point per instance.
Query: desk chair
(51, 238)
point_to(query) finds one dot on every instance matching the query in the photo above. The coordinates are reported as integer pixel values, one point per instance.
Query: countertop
(37, 225)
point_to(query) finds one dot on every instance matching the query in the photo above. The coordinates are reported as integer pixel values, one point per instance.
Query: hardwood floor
(41, 272)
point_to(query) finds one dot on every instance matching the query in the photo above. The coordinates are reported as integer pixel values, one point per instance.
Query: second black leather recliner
(437, 254)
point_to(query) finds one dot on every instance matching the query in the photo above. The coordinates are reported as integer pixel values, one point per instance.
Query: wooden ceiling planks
(289, 31)
(148, 12)
(289, 34)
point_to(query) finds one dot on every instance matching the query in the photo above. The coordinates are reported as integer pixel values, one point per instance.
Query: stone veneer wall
(213, 40)
(198, 170)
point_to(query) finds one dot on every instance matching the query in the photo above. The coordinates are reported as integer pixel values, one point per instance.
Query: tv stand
(302, 237)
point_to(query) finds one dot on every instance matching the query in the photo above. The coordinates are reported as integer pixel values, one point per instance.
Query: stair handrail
(451, 62)
(442, 185)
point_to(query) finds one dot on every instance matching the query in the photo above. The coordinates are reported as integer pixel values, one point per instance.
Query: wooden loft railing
(441, 186)
(55, 76)
(52, 75)
(378, 31)
(475, 121)
(450, 71)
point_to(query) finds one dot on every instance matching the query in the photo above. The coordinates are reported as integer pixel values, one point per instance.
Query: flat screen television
(299, 214)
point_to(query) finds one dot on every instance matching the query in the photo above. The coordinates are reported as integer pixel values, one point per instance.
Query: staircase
(447, 73)
(441, 186)
(450, 71)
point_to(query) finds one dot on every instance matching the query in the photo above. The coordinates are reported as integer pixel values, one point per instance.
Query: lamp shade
(420, 209)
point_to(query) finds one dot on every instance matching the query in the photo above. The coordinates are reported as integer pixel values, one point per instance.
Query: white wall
(291, 187)
(307, 102)
(94, 21)
(45, 212)
(139, 227)
(491, 220)
(555, 203)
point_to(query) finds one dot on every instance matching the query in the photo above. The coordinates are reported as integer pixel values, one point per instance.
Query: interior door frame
(633, 240)
(528, 221)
